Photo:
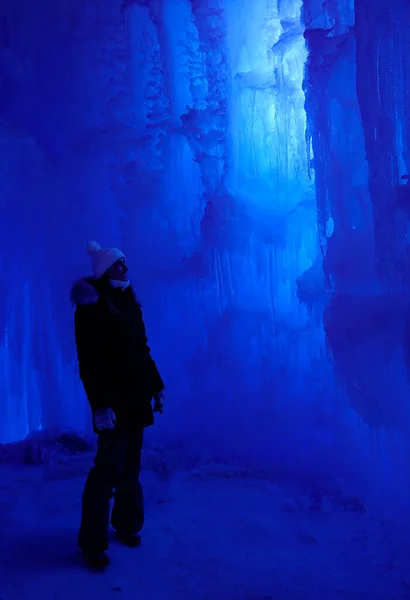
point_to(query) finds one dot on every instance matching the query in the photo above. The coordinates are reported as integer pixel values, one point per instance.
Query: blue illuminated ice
(208, 141)
(247, 155)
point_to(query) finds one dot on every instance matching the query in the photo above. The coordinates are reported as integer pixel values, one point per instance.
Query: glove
(104, 418)
(159, 402)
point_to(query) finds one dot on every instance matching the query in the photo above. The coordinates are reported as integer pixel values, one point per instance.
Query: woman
(120, 379)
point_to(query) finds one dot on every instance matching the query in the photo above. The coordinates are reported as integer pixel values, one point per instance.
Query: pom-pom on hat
(103, 258)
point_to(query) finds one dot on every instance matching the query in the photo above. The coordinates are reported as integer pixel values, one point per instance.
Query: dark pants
(115, 474)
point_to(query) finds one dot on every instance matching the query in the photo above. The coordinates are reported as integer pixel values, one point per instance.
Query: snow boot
(96, 561)
(132, 540)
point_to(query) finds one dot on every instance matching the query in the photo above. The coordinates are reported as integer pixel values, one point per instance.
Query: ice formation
(247, 156)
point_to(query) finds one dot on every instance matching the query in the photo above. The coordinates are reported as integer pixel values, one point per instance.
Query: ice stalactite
(356, 107)
(338, 145)
(383, 89)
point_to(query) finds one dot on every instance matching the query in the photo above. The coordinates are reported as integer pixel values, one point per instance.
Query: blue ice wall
(164, 128)
(224, 135)
(242, 158)
(357, 101)
(59, 78)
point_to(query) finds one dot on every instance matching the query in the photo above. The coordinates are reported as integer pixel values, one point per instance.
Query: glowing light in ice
(268, 119)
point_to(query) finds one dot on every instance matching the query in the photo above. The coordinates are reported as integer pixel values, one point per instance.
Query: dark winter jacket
(115, 362)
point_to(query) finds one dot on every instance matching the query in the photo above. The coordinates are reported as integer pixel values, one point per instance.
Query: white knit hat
(103, 258)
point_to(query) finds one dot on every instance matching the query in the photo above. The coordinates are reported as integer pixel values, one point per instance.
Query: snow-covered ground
(210, 535)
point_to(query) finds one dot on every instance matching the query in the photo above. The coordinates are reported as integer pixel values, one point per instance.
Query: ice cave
(251, 158)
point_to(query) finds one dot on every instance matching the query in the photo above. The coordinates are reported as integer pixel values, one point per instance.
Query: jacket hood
(83, 292)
